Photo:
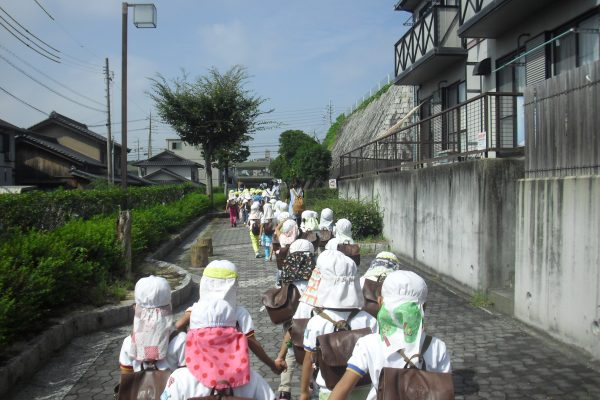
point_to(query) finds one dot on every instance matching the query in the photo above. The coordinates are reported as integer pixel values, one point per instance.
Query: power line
(21, 40)
(29, 39)
(27, 30)
(49, 88)
(47, 13)
(49, 77)
(22, 101)
(117, 123)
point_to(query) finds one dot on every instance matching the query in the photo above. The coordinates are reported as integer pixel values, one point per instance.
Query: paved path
(493, 356)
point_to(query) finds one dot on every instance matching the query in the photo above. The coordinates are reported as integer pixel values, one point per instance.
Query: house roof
(172, 174)
(167, 158)
(134, 179)
(54, 147)
(56, 118)
(9, 126)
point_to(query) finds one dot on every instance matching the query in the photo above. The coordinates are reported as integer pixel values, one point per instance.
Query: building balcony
(491, 18)
(430, 46)
(406, 5)
(487, 126)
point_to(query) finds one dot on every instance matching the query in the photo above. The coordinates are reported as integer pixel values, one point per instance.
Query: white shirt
(182, 385)
(303, 310)
(369, 357)
(175, 355)
(318, 326)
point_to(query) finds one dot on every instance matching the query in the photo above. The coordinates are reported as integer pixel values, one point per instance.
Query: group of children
(214, 353)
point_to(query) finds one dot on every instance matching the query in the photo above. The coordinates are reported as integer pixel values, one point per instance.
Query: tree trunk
(208, 167)
(124, 237)
(226, 183)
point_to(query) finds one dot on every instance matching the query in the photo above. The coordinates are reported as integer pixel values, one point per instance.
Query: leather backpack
(324, 237)
(255, 228)
(371, 291)
(335, 349)
(268, 228)
(281, 255)
(147, 384)
(281, 303)
(221, 394)
(298, 206)
(297, 336)
(350, 250)
(411, 382)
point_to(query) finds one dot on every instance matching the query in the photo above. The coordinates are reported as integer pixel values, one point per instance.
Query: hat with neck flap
(220, 280)
(401, 315)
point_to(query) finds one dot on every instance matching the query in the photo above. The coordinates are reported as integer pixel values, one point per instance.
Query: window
(578, 48)
(176, 145)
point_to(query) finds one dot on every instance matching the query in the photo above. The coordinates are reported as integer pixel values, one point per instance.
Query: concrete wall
(557, 282)
(456, 220)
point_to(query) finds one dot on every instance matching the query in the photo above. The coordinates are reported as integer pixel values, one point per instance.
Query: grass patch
(480, 299)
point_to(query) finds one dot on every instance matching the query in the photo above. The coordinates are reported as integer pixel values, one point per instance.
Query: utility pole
(150, 137)
(138, 149)
(109, 165)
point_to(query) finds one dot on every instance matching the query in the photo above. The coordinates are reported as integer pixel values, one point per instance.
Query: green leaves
(301, 157)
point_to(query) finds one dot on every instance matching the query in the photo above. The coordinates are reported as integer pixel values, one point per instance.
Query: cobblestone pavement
(493, 356)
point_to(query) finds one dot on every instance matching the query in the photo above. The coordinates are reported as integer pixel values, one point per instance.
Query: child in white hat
(338, 293)
(220, 281)
(217, 357)
(153, 339)
(343, 234)
(403, 298)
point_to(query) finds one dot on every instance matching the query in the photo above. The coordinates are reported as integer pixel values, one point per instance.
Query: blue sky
(300, 55)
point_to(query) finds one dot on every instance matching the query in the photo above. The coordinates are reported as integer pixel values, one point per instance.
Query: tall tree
(226, 157)
(301, 157)
(214, 111)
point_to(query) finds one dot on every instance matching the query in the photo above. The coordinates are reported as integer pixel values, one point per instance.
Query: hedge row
(366, 218)
(49, 210)
(41, 272)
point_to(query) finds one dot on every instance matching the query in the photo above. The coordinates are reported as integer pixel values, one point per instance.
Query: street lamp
(144, 16)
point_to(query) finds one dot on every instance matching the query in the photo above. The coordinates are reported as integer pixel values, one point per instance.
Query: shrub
(365, 217)
(41, 271)
(49, 210)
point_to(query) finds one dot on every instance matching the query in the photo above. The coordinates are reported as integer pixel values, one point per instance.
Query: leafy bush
(49, 210)
(41, 272)
(365, 217)
(311, 196)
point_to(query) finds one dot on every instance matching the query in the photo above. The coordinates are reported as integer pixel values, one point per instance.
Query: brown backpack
(350, 250)
(221, 394)
(145, 384)
(411, 382)
(335, 349)
(297, 336)
(371, 291)
(324, 237)
(281, 255)
(298, 206)
(281, 303)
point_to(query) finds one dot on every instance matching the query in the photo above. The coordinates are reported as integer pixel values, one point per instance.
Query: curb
(40, 349)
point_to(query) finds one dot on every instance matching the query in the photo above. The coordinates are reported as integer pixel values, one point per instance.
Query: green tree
(301, 157)
(226, 157)
(214, 111)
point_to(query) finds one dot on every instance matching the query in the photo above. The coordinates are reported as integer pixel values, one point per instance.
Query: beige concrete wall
(76, 142)
(455, 220)
(557, 281)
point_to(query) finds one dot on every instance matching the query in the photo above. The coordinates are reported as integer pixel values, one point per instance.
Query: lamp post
(144, 16)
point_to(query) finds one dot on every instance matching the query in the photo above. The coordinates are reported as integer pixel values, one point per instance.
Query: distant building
(169, 168)
(76, 136)
(7, 153)
(252, 173)
(194, 153)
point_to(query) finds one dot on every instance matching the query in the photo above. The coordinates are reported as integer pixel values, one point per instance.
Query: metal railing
(485, 125)
(434, 30)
